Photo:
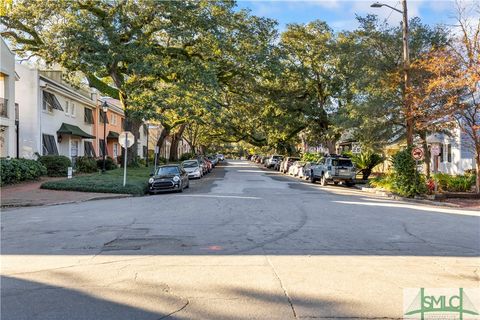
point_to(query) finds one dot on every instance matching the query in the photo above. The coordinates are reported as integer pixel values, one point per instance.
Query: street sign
(417, 153)
(435, 150)
(126, 138)
(356, 148)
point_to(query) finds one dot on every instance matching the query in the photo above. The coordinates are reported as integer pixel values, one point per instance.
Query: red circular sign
(417, 153)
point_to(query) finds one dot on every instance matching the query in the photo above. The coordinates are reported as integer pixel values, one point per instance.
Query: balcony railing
(4, 107)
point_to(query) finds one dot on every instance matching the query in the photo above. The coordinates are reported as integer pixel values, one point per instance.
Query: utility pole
(407, 104)
(406, 72)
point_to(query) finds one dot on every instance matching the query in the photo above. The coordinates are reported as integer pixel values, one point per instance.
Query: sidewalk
(28, 194)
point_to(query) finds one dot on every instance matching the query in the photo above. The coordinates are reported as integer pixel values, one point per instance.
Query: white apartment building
(8, 107)
(55, 118)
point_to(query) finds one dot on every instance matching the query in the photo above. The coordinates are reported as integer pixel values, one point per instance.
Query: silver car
(193, 168)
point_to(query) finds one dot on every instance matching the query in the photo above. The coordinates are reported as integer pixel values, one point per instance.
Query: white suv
(334, 169)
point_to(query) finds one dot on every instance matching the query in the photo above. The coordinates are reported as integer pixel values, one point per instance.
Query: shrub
(460, 183)
(406, 180)
(366, 161)
(186, 156)
(311, 157)
(57, 166)
(86, 164)
(109, 164)
(16, 170)
(384, 182)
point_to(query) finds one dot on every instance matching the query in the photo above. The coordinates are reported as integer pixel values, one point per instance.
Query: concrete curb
(393, 196)
(26, 205)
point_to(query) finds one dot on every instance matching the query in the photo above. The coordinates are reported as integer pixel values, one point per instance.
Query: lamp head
(105, 106)
(376, 5)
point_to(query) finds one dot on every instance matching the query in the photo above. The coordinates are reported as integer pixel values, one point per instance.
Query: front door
(74, 151)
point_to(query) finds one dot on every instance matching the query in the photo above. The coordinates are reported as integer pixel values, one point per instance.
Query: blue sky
(340, 14)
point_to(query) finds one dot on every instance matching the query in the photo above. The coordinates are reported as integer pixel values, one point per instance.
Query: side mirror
(151, 174)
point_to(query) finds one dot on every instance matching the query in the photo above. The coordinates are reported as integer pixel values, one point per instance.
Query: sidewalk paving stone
(28, 194)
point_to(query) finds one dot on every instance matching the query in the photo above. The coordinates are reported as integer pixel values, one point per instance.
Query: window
(441, 153)
(50, 102)
(66, 107)
(102, 148)
(103, 117)
(115, 150)
(114, 119)
(49, 145)
(449, 153)
(72, 109)
(123, 123)
(89, 151)
(88, 116)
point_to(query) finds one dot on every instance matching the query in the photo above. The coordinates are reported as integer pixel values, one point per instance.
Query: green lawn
(109, 182)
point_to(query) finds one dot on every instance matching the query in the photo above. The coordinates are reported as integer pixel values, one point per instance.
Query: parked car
(205, 166)
(287, 163)
(334, 169)
(193, 168)
(295, 167)
(272, 161)
(304, 172)
(220, 157)
(213, 160)
(168, 178)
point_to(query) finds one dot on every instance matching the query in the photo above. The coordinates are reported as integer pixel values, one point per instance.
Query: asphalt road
(242, 243)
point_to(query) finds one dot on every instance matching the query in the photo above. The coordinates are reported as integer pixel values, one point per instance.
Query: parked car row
(176, 176)
(331, 168)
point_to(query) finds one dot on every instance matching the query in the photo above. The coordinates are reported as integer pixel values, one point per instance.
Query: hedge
(86, 165)
(16, 170)
(57, 166)
(109, 164)
(460, 183)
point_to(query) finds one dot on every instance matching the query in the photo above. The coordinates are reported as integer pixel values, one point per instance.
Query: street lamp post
(406, 68)
(148, 127)
(104, 109)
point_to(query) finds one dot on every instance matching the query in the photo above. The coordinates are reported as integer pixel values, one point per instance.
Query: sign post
(126, 140)
(417, 154)
(435, 152)
(157, 149)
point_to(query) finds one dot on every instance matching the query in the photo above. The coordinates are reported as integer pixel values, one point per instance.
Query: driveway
(242, 243)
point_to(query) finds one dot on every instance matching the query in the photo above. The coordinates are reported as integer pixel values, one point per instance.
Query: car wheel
(349, 184)
(312, 179)
(335, 182)
(188, 185)
(323, 181)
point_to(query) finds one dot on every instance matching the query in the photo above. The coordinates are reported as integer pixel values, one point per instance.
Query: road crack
(285, 292)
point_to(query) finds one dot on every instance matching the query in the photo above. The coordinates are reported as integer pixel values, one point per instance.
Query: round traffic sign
(126, 139)
(417, 153)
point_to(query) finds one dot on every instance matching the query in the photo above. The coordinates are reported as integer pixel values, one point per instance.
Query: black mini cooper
(168, 178)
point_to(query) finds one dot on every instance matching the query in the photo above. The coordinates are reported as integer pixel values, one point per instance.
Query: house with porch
(55, 117)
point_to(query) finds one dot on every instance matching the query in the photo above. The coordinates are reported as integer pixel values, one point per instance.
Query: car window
(167, 170)
(342, 162)
(190, 164)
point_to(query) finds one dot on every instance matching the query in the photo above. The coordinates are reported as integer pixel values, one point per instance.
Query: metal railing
(4, 107)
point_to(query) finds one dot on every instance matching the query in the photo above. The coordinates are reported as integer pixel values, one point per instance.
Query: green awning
(74, 131)
(112, 134)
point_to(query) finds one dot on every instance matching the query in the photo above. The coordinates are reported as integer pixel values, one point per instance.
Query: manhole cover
(157, 242)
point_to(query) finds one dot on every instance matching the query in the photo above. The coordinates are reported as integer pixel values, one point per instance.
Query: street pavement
(241, 243)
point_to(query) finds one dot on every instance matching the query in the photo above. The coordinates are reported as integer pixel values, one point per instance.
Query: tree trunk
(477, 166)
(427, 154)
(132, 125)
(176, 137)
